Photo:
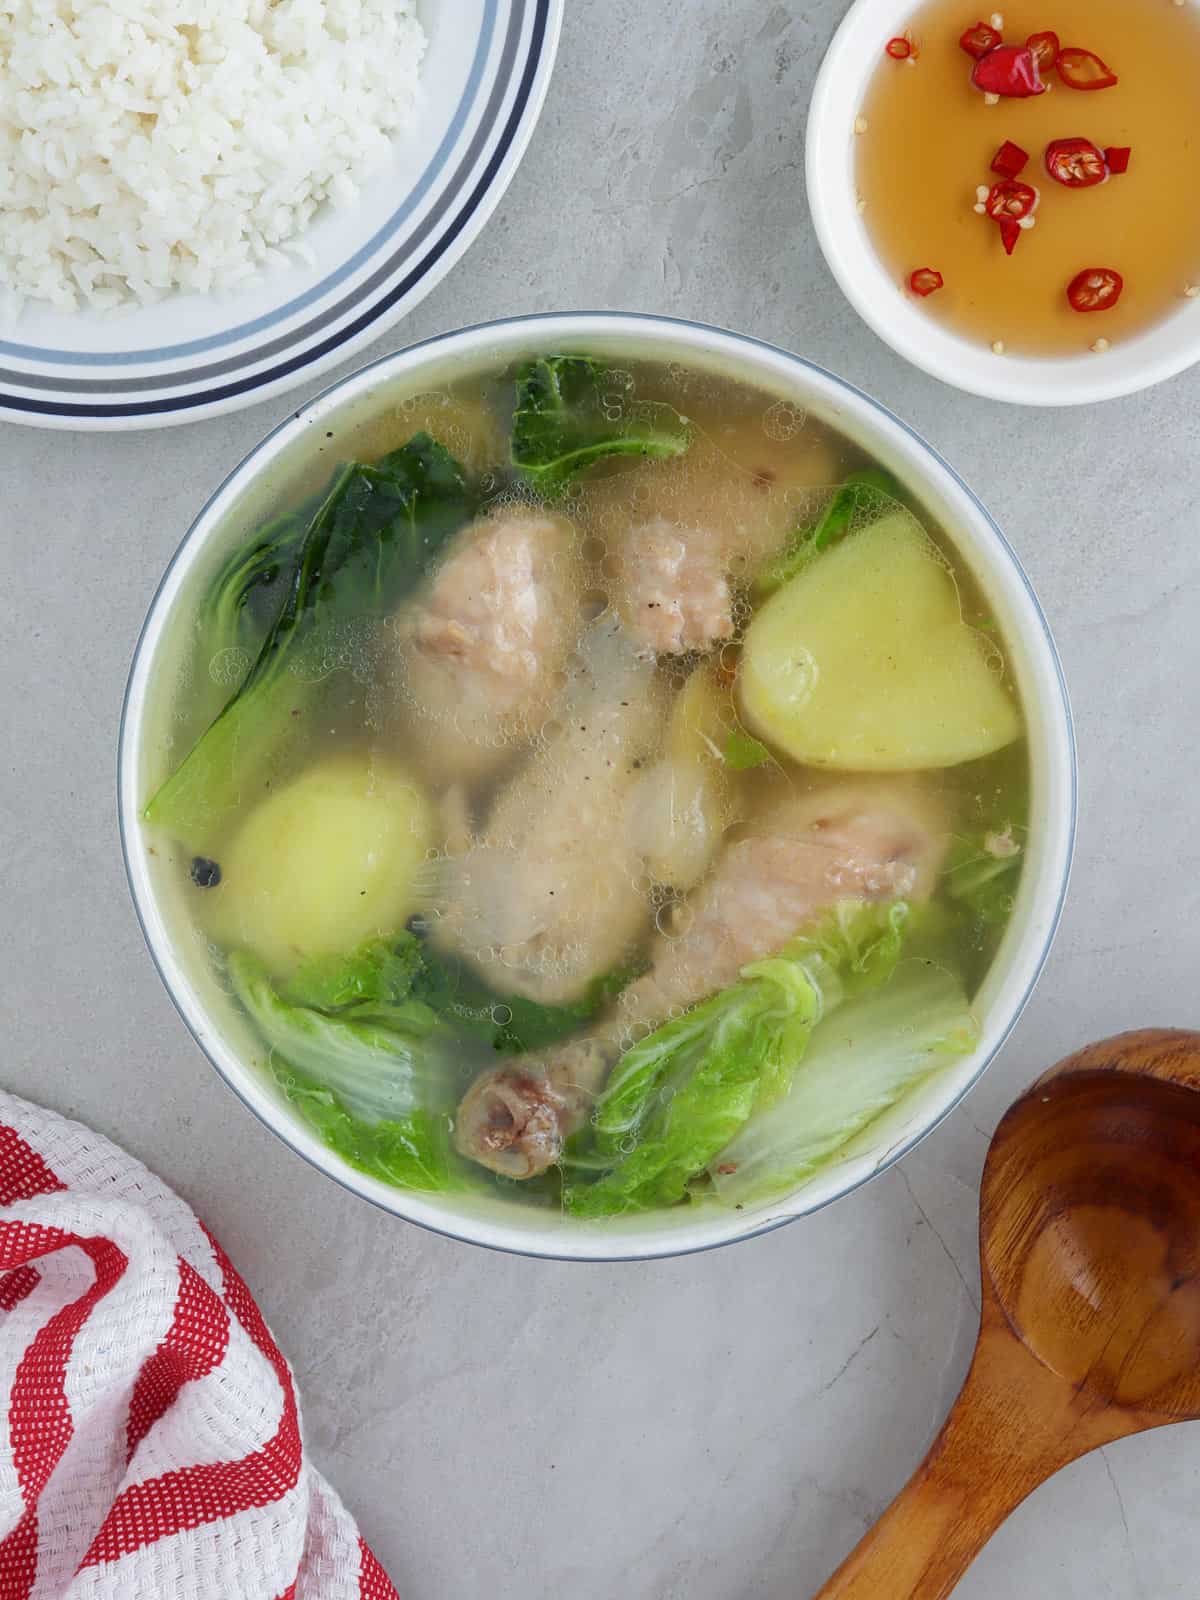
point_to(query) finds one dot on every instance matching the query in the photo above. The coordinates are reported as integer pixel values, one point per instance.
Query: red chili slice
(1010, 70)
(925, 280)
(1045, 49)
(1010, 232)
(899, 49)
(1010, 159)
(1083, 69)
(1095, 289)
(1075, 163)
(1117, 156)
(1010, 200)
(977, 41)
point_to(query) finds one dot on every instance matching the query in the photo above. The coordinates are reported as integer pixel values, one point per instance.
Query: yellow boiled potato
(325, 862)
(681, 805)
(863, 661)
(701, 718)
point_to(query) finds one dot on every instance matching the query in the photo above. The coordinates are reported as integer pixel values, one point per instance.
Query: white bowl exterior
(845, 238)
(483, 81)
(225, 1035)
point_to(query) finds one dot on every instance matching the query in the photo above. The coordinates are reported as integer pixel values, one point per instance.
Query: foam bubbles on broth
(758, 473)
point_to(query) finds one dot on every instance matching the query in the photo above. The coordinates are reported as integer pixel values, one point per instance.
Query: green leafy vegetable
(370, 538)
(865, 496)
(245, 595)
(742, 752)
(859, 1063)
(383, 1059)
(389, 973)
(373, 1072)
(369, 1048)
(679, 1096)
(982, 870)
(510, 1024)
(381, 973)
(411, 1152)
(564, 423)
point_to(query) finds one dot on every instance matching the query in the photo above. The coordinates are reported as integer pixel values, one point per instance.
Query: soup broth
(609, 786)
(929, 136)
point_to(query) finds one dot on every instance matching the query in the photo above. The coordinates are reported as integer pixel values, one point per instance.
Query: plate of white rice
(204, 202)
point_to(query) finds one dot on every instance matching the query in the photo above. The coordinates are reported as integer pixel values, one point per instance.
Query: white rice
(148, 146)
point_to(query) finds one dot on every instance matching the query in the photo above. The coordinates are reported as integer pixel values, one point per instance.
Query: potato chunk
(681, 806)
(325, 862)
(863, 661)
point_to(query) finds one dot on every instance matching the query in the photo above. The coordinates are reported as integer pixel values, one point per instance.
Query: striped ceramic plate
(485, 77)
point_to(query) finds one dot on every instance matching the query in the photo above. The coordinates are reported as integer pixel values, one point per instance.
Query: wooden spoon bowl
(1090, 1251)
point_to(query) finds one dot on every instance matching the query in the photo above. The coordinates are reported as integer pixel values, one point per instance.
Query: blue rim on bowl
(374, 264)
(1023, 953)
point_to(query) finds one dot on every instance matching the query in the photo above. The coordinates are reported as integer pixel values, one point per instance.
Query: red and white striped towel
(151, 1444)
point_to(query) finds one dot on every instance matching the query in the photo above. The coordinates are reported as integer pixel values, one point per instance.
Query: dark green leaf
(401, 971)
(865, 496)
(510, 1024)
(742, 752)
(562, 424)
(372, 536)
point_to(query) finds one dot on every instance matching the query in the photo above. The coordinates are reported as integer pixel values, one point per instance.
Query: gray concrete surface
(717, 1427)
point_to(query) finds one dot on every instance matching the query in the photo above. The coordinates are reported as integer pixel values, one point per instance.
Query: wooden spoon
(1089, 1238)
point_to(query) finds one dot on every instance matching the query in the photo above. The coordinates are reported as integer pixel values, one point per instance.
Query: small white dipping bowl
(249, 494)
(1131, 364)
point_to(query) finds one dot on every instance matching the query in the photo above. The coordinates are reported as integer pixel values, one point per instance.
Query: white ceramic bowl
(247, 495)
(1133, 364)
(484, 79)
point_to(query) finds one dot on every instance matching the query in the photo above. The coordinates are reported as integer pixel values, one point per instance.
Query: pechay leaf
(865, 496)
(369, 1048)
(244, 597)
(394, 972)
(677, 1097)
(380, 972)
(859, 1063)
(382, 1061)
(370, 539)
(563, 425)
(509, 1024)
(409, 1152)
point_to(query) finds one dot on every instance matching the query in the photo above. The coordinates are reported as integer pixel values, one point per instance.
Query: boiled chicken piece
(514, 1120)
(483, 647)
(673, 586)
(683, 533)
(548, 897)
(858, 840)
(854, 841)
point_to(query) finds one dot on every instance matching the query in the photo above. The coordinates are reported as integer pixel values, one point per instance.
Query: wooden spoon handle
(937, 1524)
(1013, 1425)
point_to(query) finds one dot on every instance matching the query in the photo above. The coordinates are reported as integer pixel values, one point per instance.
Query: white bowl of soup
(597, 786)
(1027, 245)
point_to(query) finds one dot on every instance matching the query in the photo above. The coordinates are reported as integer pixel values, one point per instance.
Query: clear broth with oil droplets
(526, 855)
(929, 139)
